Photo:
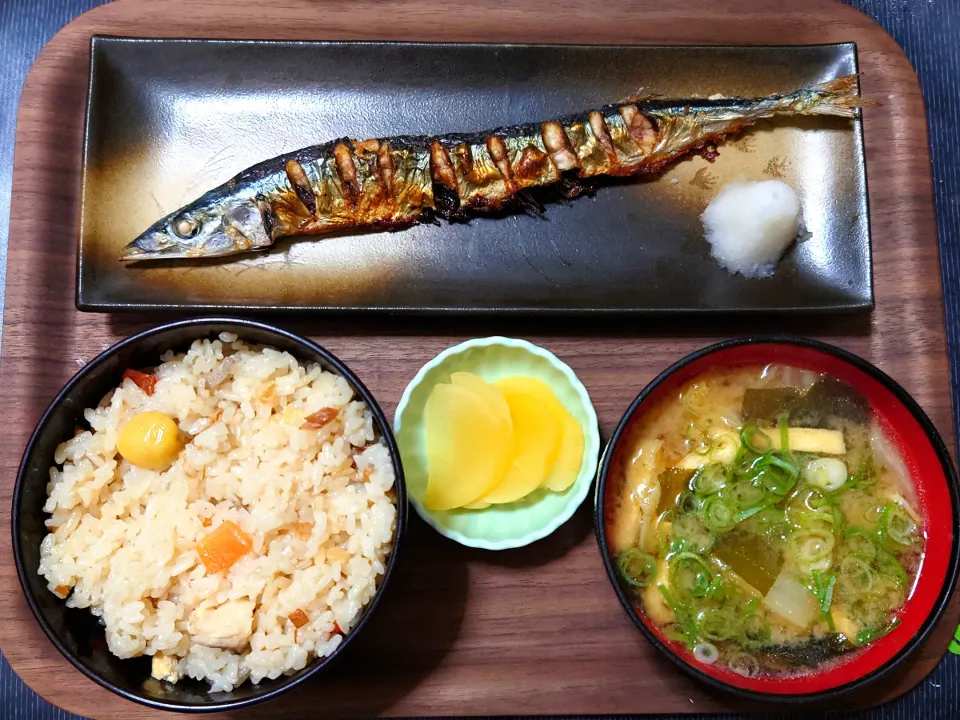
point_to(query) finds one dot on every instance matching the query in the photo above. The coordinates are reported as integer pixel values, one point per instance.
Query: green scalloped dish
(511, 525)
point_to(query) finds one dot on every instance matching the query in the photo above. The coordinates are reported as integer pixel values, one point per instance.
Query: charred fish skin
(392, 183)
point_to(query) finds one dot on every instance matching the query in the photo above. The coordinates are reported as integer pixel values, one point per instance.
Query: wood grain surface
(533, 631)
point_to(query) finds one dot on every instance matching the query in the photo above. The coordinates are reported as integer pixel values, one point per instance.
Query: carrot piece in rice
(223, 547)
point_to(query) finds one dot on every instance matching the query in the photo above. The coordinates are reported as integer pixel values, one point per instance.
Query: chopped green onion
(825, 584)
(684, 627)
(776, 484)
(821, 587)
(637, 567)
(808, 509)
(717, 589)
(864, 474)
(724, 449)
(856, 573)
(784, 433)
(873, 607)
(706, 653)
(702, 585)
(859, 544)
(698, 438)
(810, 546)
(749, 512)
(888, 565)
(688, 502)
(689, 574)
(689, 534)
(777, 475)
(687, 626)
(716, 625)
(746, 494)
(828, 474)
(785, 438)
(777, 461)
(669, 599)
(708, 480)
(754, 629)
(872, 514)
(868, 635)
(747, 436)
(817, 502)
(677, 545)
(717, 515)
(897, 525)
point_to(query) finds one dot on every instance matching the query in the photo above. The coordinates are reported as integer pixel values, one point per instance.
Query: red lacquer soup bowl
(928, 464)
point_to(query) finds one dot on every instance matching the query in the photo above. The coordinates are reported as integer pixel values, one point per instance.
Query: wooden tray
(535, 631)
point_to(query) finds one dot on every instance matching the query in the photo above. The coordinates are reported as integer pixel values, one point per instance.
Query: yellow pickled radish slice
(466, 446)
(478, 505)
(492, 398)
(491, 395)
(536, 439)
(566, 468)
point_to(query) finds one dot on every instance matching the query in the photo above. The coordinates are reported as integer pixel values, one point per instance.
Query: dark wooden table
(927, 29)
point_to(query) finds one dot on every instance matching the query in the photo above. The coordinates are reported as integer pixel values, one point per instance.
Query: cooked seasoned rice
(317, 504)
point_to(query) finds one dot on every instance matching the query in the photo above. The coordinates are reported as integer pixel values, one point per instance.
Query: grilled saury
(395, 182)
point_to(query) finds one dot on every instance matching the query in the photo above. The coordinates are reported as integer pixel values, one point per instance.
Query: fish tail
(839, 98)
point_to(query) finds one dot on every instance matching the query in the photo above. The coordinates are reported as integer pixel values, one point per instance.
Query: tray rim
(886, 61)
(861, 306)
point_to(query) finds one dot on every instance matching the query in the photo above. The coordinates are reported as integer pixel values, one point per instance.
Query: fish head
(209, 227)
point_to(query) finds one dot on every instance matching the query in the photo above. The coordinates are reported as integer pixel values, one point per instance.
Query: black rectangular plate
(169, 119)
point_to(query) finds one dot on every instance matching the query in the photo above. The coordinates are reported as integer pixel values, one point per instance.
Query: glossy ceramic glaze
(169, 119)
(924, 454)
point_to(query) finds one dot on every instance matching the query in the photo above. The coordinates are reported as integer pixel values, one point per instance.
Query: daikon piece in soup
(763, 519)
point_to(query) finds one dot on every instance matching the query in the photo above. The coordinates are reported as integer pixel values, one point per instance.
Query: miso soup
(765, 521)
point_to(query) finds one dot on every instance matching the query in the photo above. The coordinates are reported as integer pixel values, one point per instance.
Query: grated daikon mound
(749, 225)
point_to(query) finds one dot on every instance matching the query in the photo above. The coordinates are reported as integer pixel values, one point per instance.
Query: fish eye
(186, 227)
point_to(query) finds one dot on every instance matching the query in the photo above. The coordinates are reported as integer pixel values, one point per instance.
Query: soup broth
(765, 521)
